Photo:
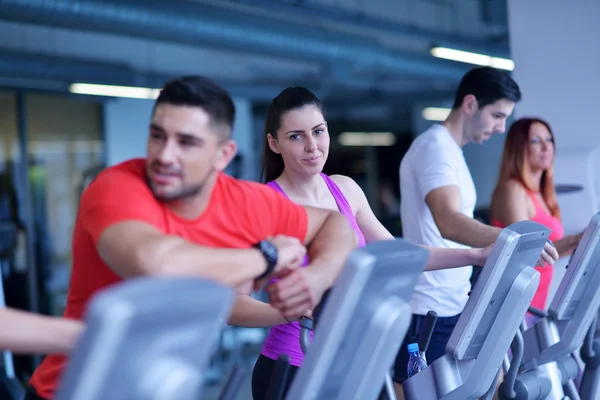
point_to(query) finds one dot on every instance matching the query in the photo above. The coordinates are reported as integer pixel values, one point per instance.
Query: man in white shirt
(438, 199)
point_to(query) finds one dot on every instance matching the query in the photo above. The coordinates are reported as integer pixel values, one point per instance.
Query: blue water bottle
(415, 361)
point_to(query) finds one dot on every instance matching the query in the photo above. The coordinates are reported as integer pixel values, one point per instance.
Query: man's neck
(194, 206)
(456, 126)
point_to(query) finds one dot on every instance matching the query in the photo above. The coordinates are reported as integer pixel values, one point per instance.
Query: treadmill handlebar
(306, 323)
(587, 350)
(537, 312)
(427, 330)
(306, 327)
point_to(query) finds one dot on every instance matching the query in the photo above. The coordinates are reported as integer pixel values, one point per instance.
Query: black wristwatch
(269, 251)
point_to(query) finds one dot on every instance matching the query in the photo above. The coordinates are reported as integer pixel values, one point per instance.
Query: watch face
(270, 251)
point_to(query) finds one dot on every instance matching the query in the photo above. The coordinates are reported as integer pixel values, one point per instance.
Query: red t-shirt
(239, 214)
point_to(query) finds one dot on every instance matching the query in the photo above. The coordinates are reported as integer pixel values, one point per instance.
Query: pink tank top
(547, 271)
(285, 338)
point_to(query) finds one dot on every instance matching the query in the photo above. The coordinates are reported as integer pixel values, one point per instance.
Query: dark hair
(488, 85)
(200, 92)
(289, 99)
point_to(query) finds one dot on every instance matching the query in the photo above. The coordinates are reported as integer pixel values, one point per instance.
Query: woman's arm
(567, 244)
(24, 332)
(441, 258)
(252, 313)
(373, 230)
(511, 204)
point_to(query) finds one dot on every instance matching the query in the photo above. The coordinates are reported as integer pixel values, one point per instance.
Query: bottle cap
(413, 348)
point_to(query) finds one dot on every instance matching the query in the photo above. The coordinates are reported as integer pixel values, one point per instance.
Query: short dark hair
(200, 92)
(488, 85)
(289, 99)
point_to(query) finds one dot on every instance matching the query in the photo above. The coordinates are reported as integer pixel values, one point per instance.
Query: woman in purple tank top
(296, 150)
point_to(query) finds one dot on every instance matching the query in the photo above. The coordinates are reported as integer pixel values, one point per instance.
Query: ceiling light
(114, 91)
(473, 58)
(367, 139)
(435, 113)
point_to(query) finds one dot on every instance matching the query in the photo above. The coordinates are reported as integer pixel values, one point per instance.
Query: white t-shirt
(434, 160)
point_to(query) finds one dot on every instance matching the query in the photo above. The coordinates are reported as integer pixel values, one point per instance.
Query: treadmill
(362, 324)
(147, 339)
(497, 305)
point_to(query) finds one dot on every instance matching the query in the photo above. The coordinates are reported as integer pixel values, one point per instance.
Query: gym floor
(212, 392)
(245, 357)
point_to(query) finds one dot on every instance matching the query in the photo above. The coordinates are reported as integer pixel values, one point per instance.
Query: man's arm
(27, 333)
(123, 226)
(444, 203)
(134, 248)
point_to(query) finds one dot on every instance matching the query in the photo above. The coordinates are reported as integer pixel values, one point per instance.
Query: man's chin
(172, 195)
(163, 195)
(483, 139)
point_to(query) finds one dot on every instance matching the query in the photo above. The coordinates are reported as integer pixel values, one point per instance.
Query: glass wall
(9, 148)
(14, 290)
(65, 141)
(12, 245)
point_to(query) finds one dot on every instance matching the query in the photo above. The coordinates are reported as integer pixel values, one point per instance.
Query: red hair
(514, 160)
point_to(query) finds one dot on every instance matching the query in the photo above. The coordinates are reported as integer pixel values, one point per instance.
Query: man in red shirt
(176, 213)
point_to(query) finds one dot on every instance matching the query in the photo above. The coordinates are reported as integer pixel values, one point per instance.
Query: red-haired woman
(525, 190)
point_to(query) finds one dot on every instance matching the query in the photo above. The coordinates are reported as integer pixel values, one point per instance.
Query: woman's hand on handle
(297, 292)
(549, 255)
(291, 252)
(483, 253)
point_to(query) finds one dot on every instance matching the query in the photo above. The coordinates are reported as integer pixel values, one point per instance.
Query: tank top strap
(339, 197)
(340, 200)
(344, 207)
(276, 186)
(532, 195)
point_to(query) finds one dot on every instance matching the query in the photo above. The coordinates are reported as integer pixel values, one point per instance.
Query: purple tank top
(285, 338)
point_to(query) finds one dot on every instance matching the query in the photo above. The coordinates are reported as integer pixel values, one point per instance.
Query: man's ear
(226, 153)
(470, 105)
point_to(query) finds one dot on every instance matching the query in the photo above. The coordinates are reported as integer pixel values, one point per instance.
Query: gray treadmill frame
(548, 344)
(362, 324)
(505, 287)
(147, 338)
(590, 381)
(574, 306)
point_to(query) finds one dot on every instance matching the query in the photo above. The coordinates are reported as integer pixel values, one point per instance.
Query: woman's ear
(273, 144)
